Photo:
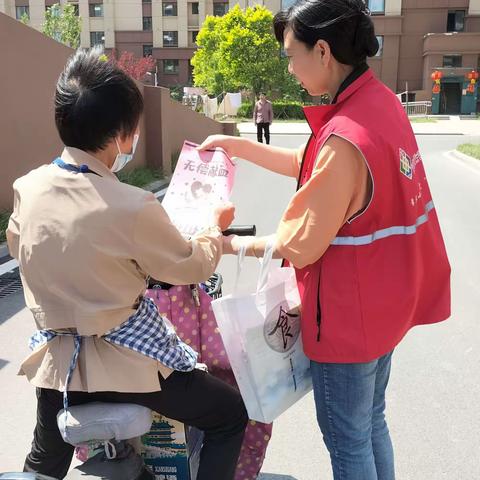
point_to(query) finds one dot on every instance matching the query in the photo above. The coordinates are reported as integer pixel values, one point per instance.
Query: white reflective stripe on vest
(385, 232)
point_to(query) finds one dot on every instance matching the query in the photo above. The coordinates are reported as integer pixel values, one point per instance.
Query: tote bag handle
(266, 263)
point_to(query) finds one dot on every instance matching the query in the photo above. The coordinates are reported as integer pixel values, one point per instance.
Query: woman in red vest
(361, 230)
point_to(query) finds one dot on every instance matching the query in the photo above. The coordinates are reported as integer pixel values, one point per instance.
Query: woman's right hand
(226, 142)
(224, 215)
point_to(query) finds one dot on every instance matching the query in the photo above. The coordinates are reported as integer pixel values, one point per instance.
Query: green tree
(205, 61)
(63, 24)
(239, 51)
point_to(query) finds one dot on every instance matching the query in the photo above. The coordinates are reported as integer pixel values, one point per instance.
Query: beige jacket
(85, 244)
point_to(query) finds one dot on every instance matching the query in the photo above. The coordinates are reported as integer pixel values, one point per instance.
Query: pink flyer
(201, 181)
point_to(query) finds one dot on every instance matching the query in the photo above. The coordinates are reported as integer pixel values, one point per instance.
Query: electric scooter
(116, 427)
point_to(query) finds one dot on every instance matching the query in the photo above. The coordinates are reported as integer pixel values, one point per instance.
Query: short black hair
(345, 25)
(95, 101)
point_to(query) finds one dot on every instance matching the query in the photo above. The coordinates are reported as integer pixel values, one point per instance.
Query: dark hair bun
(366, 42)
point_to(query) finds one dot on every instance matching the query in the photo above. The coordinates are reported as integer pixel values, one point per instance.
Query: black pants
(195, 398)
(266, 129)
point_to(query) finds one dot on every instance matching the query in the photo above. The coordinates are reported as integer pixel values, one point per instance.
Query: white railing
(417, 108)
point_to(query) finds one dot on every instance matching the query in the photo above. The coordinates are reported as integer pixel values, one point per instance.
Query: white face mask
(123, 158)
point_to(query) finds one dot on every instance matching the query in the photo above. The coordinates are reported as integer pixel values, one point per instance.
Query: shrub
(4, 216)
(139, 176)
(282, 110)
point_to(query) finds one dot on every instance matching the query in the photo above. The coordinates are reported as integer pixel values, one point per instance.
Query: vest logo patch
(407, 164)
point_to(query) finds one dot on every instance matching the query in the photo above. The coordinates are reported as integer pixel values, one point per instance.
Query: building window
(220, 9)
(146, 1)
(170, 9)
(194, 37)
(54, 11)
(147, 23)
(380, 46)
(452, 61)
(287, 3)
(170, 39)
(147, 50)
(97, 38)
(195, 8)
(456, 21)
(21, 11)
(170, 67)
(76, 9)
(376, 6)
(95, 9)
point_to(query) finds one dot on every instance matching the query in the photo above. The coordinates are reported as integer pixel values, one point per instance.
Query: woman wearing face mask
(86, 243)
(361, 231)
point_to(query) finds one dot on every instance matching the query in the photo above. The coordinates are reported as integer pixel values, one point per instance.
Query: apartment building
(420, 37)
(417, 38)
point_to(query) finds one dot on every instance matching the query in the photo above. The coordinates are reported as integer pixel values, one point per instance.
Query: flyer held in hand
(201, 181)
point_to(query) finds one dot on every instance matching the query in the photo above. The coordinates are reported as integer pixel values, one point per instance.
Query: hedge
(281, 110)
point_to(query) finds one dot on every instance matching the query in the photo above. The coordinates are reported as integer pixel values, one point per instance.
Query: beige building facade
(417, 37)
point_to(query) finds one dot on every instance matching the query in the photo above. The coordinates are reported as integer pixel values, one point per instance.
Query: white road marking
(8, 266)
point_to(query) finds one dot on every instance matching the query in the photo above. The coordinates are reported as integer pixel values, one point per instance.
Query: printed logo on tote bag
(282, 328)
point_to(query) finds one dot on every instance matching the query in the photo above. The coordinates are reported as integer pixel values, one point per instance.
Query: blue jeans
(350, 402)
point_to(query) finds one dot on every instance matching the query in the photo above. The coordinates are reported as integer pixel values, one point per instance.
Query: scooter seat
(103, 421)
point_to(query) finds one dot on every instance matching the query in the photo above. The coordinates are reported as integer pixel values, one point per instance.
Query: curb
(467, 159)
(298, 133)
(158, 188)
(438, 134)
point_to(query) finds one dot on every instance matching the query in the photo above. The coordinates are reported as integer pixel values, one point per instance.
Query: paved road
(434, 392)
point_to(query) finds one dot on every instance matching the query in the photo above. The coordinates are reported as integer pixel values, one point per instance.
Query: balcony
(451, 43)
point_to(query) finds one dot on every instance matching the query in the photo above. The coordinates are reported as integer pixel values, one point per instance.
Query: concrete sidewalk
(454, 126)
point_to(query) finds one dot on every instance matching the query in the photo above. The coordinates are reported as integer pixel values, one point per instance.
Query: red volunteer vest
(387, 269)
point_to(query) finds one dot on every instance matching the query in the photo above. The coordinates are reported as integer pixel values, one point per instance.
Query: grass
(4, 216)
(275, 120)
(140, 176)
(470, 149)
(422, 120)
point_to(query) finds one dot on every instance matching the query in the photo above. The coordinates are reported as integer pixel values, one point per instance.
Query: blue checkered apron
(144, 332)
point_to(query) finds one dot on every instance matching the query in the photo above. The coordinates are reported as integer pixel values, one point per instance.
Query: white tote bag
(261, 333)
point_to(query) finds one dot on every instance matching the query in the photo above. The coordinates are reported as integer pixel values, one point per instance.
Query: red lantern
(436, 76)
(472, 76)
(436, 88)
(471, 88)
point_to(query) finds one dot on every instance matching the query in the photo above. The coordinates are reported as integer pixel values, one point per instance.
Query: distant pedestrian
(262, 118)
